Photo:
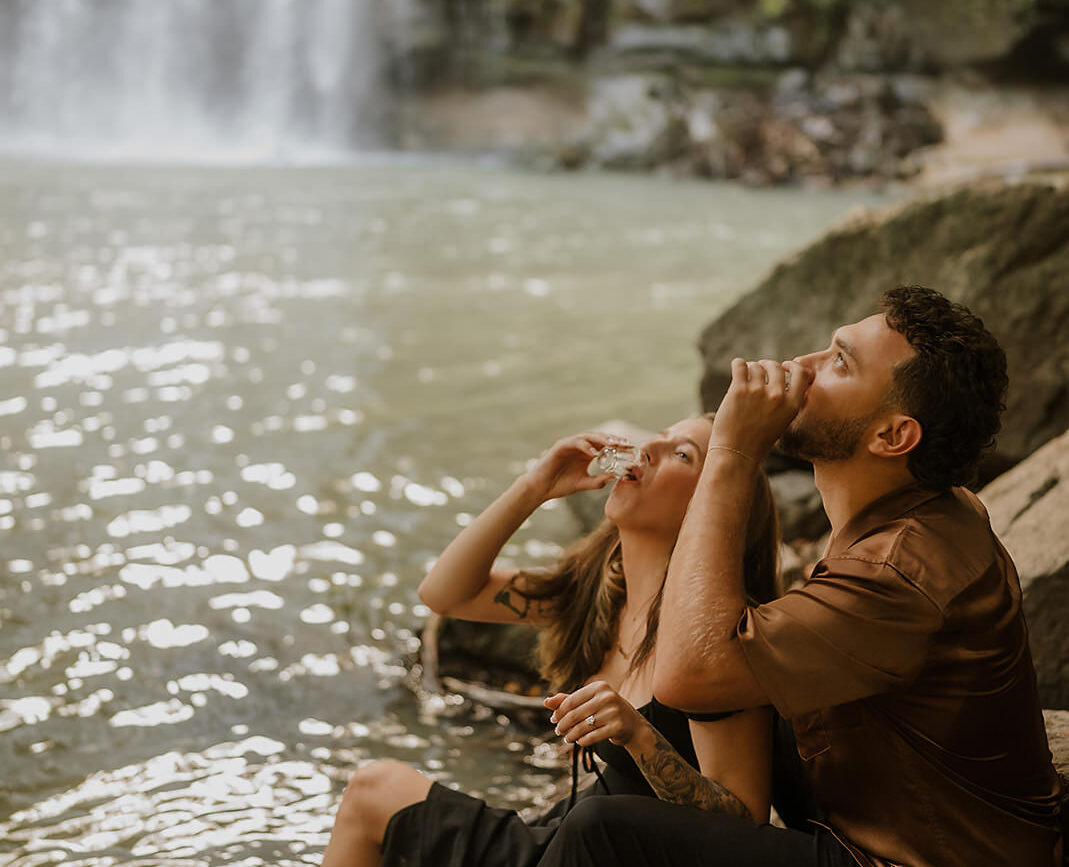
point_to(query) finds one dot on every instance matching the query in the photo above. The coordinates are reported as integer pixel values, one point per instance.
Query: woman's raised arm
(463, 582)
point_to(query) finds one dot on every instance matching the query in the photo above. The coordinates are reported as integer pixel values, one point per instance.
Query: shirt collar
(880, 511)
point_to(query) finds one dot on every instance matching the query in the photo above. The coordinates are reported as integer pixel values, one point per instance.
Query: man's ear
(896, 436)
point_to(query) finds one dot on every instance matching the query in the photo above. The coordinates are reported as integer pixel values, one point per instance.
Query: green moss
(517, 70)
(778, 8)
(729, 76)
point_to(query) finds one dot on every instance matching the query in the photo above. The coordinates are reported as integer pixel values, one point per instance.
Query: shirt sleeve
(855, 629)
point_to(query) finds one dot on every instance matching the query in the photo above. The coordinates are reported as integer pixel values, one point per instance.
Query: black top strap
(699, 717)
(709, 717)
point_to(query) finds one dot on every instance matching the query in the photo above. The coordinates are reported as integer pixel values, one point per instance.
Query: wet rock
(801, 511)
(724, 42)
(1029, 509)
(798, 557)
(876, 38)
(634, 121)
(792, 567)
(1000, 249)
(843, 126)
(885, 35)
(858, 125)
(500, 655)
(1057, 724)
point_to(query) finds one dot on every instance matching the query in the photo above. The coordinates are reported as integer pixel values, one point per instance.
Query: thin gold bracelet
(736, 451)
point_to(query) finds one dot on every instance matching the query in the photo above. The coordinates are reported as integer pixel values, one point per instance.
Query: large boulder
(1029, 508)
(634, 123)
(1057, 723)
(727, 42)
(801, 510)
(920, 35)
(1002, 250)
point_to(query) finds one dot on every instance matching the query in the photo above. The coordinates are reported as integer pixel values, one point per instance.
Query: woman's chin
(618, 514)
(613, 512)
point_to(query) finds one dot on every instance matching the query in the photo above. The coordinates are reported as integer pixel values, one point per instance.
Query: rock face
(801, 511)
(1029, 508)
(762, 90)
(1057, 724)
(1002, 250)
(915, 34)
(501, 654)
(792, 126)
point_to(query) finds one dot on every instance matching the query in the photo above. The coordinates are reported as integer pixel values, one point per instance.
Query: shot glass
(614, 460)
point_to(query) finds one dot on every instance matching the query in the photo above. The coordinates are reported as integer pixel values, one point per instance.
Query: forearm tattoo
(676, 782)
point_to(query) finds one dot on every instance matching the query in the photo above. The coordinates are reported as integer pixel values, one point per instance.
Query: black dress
(451, 829)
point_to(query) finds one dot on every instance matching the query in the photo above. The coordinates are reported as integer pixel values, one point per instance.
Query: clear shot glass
(614, 460)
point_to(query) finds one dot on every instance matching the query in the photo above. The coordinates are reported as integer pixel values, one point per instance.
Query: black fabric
(451, 829)
(708, 717)
(629, 831)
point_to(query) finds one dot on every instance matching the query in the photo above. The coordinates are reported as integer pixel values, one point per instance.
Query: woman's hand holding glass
(593, 713)
(562, 470)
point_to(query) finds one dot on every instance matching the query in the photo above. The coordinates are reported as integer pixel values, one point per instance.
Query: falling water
(226, 79)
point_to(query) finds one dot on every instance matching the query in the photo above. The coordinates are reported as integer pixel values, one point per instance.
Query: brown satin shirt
(904, 666)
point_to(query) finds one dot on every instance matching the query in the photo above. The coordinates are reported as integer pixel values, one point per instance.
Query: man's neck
(847, 487)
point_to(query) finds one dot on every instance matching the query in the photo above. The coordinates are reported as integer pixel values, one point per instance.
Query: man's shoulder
(941, 545)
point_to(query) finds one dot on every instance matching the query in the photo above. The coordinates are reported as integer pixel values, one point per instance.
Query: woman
(599, 611)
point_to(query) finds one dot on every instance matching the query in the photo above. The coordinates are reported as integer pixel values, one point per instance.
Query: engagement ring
(590, 721)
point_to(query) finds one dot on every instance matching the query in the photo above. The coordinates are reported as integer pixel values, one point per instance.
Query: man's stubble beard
(832, 439)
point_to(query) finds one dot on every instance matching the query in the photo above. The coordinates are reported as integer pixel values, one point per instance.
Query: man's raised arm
(700, 665)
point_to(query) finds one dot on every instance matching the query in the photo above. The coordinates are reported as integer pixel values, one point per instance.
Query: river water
(240, 411)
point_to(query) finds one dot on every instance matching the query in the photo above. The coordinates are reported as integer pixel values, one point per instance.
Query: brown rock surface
(1003, 250)
(1057, 722)
(1029, 508)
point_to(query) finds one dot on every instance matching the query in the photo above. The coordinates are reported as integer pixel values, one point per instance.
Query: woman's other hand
(562, 469)
(614, 717)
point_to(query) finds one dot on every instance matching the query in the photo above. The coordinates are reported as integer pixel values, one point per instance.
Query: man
(903, 662)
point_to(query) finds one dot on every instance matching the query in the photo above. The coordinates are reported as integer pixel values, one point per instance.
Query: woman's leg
(374, 794)
(632, 831)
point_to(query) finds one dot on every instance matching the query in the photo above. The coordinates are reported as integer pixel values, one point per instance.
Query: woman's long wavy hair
(582, 597)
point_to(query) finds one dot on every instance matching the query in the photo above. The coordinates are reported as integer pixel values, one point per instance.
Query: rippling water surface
(240, 412)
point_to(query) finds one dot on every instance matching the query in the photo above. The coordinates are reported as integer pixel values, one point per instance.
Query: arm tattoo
(503, 597)
(675, 781)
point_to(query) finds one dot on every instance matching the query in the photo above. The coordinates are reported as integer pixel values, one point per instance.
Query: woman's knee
(378, 790)
(610, 819)
(595, 816)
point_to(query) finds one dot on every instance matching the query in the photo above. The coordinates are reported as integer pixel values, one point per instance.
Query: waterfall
(198, 79)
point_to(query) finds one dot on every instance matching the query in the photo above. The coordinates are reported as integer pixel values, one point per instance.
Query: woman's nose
(651, 450)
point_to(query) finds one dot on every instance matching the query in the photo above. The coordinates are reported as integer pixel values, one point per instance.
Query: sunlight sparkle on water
(257, 598)
(164, 634)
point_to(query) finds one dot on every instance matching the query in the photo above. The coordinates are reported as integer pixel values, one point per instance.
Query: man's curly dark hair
(955, 385)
